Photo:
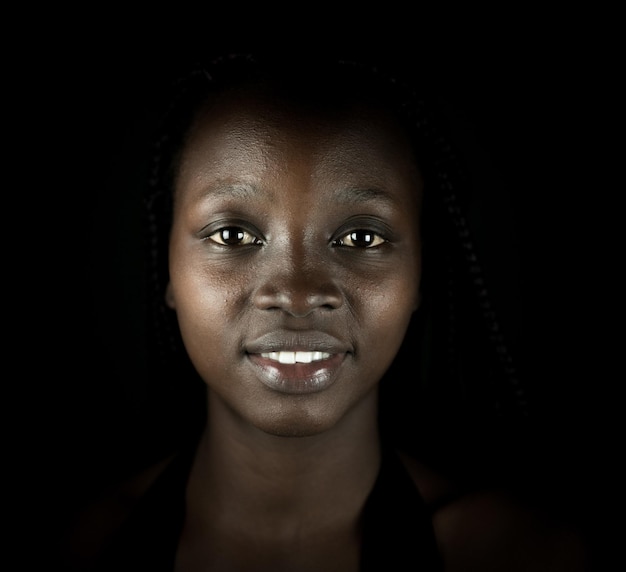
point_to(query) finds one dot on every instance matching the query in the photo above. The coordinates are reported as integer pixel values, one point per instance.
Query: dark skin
(328, 261)
(297, 232)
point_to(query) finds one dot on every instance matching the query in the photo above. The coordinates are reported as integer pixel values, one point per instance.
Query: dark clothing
(397, 525)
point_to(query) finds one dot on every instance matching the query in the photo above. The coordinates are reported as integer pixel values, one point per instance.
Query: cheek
(391, 313)
(197, 311)
(204, 303)
(385, 308)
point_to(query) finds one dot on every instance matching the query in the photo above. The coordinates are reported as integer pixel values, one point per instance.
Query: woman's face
(294, 259)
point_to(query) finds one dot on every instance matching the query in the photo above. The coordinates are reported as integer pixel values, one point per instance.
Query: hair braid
(478, 283)
(158, 206)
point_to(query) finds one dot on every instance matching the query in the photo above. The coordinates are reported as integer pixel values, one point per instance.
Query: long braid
(510, 400)
(480, 290)
(169, 358)
(156, 205)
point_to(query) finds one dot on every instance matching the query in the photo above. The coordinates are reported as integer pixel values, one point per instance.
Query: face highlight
(294, 259)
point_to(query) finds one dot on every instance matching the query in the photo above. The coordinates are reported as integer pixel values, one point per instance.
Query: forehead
(263, 131)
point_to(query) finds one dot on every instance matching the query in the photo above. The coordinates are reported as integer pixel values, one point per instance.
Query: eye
(360, 238)
(233, 236)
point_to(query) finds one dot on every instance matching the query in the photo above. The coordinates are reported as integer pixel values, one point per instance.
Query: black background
(529, 106)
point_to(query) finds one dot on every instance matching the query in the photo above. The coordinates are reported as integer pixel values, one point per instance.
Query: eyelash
(240, 234)
(360, 235)
(245, 238)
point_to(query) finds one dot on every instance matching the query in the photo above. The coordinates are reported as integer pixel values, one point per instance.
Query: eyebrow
(362, 195)
(345, 195)
(237, 191)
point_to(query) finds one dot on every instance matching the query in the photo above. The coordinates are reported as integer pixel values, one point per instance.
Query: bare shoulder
(492, 530)
(96, 522)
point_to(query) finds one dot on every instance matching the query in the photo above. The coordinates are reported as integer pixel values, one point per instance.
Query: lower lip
(297, 378)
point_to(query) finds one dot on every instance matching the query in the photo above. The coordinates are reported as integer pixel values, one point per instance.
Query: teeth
(293, 357)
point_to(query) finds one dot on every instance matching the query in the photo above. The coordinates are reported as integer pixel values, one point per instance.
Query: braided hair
(465, 368)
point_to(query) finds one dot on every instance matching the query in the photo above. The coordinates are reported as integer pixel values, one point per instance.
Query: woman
(316, 290)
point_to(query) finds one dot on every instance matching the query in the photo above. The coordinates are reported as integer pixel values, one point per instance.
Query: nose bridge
(296, 276)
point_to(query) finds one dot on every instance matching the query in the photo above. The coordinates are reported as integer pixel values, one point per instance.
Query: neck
(240, 470)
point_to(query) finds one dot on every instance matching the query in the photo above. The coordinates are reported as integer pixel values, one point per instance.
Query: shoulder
(96, 522)
(497, 531)
(492, 530)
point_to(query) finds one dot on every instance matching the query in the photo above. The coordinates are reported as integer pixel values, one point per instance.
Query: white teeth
(287, 357)
(293, 357)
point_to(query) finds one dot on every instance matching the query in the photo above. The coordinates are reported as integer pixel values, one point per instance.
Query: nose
(298, 286)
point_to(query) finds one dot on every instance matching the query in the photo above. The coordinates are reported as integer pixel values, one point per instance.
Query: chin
(299, 423)
(295, 429)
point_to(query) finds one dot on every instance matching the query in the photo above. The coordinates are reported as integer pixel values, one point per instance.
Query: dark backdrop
(524, 111)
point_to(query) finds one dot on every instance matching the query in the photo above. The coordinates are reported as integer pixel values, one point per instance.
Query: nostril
(298, 301)
(329, 300)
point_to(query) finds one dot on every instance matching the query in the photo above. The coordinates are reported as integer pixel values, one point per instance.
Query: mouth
(297, 363)
(296, 357)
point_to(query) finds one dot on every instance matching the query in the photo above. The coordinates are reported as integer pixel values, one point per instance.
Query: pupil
(232, 235)
(361, 238)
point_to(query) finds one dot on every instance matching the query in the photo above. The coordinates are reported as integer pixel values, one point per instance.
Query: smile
(296, 357)
(297, 363)
(297, 372)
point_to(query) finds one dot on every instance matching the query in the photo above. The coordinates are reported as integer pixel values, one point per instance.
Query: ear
(418, 301)
(169, 296)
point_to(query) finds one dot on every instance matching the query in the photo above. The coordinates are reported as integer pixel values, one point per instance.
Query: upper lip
(282, 340)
